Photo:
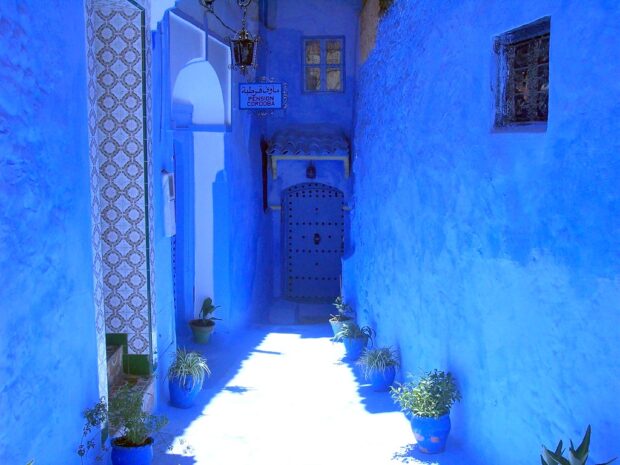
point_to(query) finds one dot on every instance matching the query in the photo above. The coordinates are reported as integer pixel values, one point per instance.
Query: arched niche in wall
(199, 116)
(189, 45)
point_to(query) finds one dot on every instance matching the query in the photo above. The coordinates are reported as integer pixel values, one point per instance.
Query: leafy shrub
(344, 310)
(95, 418)
(126, 415)
(432, 396)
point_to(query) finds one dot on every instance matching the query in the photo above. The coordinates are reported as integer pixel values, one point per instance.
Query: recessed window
(523, 77)
(323, 61)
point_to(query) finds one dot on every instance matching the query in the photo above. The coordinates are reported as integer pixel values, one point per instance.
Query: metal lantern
(243, 44)
(243, 51)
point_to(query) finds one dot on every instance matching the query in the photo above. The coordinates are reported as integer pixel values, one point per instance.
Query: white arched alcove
(197, 87)
(199, 83)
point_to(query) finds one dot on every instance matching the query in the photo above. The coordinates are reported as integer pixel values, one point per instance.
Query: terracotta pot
(202, 329)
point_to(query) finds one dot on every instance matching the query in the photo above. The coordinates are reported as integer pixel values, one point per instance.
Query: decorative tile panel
(95, 203)
(120, 132)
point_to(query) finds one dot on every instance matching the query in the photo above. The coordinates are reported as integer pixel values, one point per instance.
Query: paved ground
(281, 395)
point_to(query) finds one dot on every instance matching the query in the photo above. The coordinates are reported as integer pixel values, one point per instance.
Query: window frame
(323, 65)
(504, 75)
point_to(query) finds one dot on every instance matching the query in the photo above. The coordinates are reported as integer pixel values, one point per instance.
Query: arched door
(313, 233)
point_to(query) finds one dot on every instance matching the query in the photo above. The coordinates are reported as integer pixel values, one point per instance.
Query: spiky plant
(188, 364)
(344, 310)
(378, 360)
(577, 456)
(432, 396)
(351, 330)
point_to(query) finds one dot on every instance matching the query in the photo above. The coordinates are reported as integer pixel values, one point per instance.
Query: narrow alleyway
(281, 395)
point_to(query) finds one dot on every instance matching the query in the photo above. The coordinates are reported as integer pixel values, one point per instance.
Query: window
(323, 60)
(523, 77)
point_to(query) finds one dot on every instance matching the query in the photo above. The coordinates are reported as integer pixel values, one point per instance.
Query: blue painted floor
(281, 395)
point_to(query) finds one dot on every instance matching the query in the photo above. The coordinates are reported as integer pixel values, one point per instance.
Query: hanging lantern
(242, 45)
(243, 49)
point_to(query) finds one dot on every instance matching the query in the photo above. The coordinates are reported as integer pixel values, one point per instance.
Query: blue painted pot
(431, 433)
(381, 380)
(141, 455)
(353, 347)
(183, 395)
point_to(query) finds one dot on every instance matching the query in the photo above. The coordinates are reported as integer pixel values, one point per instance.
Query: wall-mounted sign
(261, 96)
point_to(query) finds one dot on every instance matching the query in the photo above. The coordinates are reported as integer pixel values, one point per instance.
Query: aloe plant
(577, 456)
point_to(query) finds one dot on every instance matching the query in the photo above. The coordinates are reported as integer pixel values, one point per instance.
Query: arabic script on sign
(262, 96)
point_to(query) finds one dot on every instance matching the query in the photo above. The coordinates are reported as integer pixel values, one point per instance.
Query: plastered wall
(285, 23)
(48, 367)
(494, 254)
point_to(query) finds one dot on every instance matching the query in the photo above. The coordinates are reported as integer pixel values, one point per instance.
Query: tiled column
(121, 160)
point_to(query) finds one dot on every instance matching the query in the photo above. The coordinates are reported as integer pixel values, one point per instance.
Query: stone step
(115, 365)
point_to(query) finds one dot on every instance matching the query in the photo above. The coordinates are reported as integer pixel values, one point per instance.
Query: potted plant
(135, 445)
(355, 338)
(185, 377)
(379, 367)
(204, 325)
(344, 314)
(428, 402)
(576, 457)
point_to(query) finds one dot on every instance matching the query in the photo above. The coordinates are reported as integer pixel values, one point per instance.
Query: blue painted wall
(242, 249)
(284, 24)
(48, 369)
(495, 255)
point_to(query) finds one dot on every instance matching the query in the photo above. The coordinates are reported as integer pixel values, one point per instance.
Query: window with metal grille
(523, 77)
(323, 63)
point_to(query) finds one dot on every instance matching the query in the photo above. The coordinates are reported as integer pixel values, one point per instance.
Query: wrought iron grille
(524, 75)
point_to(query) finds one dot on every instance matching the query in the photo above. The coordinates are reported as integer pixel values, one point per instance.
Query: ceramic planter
(201, 330)
(140, 455)
(183, 395)
(431, 433)
(354, 346)
(337, 325)
(381, 380)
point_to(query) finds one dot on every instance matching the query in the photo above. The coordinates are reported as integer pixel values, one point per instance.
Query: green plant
(95, 418)
(431, 396)
(351, 330)
(577, 456)
(344, 310)
(126, 415)
(206, 310)
(377, 360)
(187, 364)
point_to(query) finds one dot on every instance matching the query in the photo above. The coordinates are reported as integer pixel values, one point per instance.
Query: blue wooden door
(313, 240)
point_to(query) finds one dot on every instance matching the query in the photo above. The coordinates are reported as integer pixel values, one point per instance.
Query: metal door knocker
(317, 238)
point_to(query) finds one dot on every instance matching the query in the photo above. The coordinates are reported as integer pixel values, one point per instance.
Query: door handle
(316, 238)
